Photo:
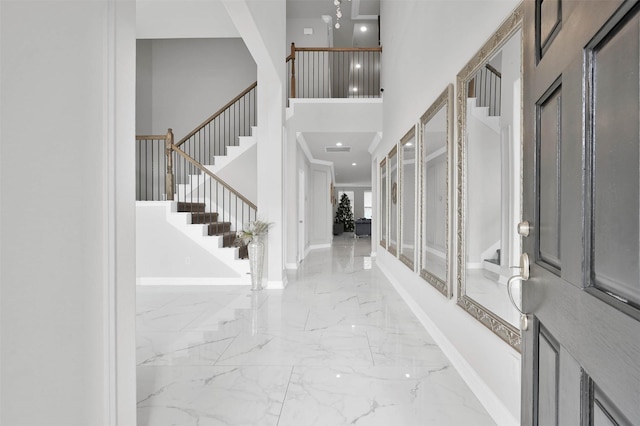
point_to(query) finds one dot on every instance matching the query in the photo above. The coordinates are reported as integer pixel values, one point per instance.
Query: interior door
(581, 350)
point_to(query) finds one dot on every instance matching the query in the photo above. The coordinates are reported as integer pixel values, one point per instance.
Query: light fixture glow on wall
(363, 28)
(355, 89)
(358, 65)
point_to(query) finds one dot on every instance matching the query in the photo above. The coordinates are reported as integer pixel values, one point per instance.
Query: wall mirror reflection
(407, 201)
(393, 201)
(437, 135)
(383, 203)
(489, 148)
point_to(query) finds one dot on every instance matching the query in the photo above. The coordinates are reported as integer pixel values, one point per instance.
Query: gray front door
(581, 351)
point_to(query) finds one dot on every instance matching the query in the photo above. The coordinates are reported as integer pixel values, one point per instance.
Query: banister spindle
(293, 70)
(169, 153)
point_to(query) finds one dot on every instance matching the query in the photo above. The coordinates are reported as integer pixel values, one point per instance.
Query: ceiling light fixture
(353, 164)
(363, 28)
(338, 12)
(338, 143)
(358, 65)
(355, 89)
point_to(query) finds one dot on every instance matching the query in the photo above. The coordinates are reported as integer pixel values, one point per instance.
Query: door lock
(524, 228)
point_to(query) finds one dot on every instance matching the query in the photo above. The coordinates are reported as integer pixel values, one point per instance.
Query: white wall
(321, 32)
(262, 25)
(320, 217)
(183, 19)
(190, 80)
(163, 251)
(67, 247)
(411, 83)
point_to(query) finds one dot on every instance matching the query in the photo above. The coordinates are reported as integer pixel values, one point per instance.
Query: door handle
(521, 277)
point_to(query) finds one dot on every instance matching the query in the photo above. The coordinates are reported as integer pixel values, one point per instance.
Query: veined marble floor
(338, 346)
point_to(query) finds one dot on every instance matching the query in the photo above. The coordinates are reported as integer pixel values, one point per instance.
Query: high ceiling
(354, 14)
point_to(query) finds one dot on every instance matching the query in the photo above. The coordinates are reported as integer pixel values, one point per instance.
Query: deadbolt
(524, 228)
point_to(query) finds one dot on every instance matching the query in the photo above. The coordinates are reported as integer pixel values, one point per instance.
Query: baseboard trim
(179, 281)
(496, 409)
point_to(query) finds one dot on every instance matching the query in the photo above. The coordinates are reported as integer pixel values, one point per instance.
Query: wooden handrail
(339, 49)
(220, 111)
(149, 137)
(493, 70)
(212, 175)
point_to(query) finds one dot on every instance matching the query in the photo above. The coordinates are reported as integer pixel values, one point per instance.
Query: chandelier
(338, 12)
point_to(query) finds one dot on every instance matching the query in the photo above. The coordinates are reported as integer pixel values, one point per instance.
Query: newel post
(293, 70)
(168, 144)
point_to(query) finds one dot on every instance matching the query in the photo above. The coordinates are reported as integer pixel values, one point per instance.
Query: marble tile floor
(338, 346)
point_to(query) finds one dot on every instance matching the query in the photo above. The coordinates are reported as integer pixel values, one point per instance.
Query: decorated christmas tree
(344, 214)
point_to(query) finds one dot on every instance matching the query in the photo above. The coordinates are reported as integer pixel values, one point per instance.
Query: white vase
(256, 260)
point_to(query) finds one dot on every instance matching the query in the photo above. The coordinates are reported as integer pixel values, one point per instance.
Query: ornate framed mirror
(383, 203)
(489, 93)
(407, 202)
(436, 139)
(392, 159)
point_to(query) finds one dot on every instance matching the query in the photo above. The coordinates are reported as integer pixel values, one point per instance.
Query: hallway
(338, 346)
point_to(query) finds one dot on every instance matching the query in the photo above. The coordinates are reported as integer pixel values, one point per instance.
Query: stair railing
(154, 167)
(486, 87)
(222, 129)
(202, 186)
(326, 72)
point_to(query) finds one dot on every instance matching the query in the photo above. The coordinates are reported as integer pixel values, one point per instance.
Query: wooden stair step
(220, 228)
(204, 217)
(186, 207)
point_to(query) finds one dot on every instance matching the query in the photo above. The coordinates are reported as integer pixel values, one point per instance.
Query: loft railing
(223, 128)
(333, 72)
(486, 87)
(166, 172)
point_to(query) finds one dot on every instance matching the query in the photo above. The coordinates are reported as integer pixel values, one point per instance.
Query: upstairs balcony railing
(323, 72)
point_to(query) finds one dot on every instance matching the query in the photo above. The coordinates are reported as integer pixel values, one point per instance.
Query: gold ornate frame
(393, 249)
(506, 331)
(411, 134)
(384, 201)
(445, 100)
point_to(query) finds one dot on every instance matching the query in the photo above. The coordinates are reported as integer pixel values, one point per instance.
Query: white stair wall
(170, 250)
(482, 114)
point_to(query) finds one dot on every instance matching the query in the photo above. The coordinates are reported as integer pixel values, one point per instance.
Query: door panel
(549, 113)
(581, 181)
(615, 108)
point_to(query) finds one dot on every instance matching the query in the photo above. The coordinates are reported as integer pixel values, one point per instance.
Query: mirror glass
(393, 205)
(383, 203)
(490, 144)
(407, 200)
(437, 133)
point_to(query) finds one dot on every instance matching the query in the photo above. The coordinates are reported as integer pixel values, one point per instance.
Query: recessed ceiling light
(353, 164)
(338, 143)
(357, 65)
(363, 28)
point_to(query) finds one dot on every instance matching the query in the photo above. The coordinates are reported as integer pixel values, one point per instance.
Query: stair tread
(187, 207)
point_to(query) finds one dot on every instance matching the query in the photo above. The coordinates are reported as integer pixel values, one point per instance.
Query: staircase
(200, 216)
(204, 204)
